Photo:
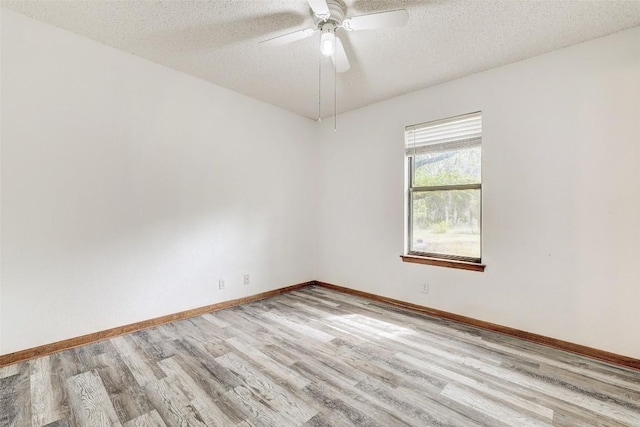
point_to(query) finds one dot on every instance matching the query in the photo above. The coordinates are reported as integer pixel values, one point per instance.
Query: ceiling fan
(328, 17)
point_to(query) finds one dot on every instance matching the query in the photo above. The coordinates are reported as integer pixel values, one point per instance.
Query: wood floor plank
(315, 358)
(90, 400)
(345, 413)
(587, 402)
(15, 397)
(260, 414)
(482, 387)
(219, 323)
(211, 414)
(149, 419)
(344, 300)
(282, 374)
(172, 405)
(63, 365)
(491, 408)
(291, 406)
(126, 394)
(138, 366)
(337, 393)
(44, 408)
(308, 297)
(299, 328)
(215, 390)
(426, 409)
(8, 371)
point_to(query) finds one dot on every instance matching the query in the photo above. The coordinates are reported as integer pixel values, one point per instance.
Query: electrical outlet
(247, 279)
(221, 284)
(425, 288)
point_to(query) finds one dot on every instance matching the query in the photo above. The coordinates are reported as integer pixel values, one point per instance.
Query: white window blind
(444, 135)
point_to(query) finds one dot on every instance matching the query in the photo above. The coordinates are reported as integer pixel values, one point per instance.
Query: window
(444, 189)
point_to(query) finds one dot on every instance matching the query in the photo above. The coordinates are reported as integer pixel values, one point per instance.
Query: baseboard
(43, 350)
(32, 353)
(594, 353)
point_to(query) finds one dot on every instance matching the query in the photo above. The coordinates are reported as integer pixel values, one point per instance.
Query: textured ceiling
(444, 39)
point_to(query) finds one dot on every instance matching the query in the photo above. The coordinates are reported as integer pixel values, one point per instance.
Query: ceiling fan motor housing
(337, 12)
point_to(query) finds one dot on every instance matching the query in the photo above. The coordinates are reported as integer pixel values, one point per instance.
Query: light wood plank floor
(317, 357)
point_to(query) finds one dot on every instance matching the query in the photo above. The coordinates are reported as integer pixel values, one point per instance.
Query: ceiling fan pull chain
(335, 95)
(319, 80)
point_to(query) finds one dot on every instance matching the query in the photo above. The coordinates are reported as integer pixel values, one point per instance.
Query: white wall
(561, 196)
(128, 189)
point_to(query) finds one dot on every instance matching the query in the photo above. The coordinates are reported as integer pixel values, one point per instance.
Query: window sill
(450, 263)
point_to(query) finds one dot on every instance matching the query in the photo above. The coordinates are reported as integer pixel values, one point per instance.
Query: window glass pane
(460, 166)
(446, 222)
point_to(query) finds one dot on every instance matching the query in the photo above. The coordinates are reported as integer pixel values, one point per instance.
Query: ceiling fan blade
(320, 8)
(288, 38)
(340, 60)
(393, 18)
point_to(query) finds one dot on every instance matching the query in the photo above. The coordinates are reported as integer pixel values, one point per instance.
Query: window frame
(445, 260)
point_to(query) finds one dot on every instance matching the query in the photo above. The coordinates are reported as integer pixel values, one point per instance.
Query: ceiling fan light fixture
(328, 42)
